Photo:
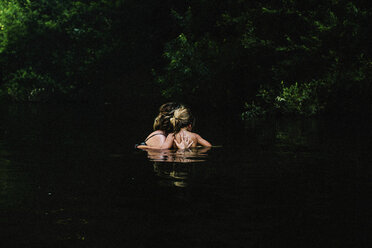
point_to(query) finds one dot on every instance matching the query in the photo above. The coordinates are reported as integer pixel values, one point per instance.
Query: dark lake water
(70, 177)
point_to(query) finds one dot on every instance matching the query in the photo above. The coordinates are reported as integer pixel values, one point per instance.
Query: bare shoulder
(155, 139)
(197, 136)
(156, 133)
(202, 141)
(192, 135)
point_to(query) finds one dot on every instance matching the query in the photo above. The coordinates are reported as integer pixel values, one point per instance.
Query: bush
(292, 100)
(27, 85)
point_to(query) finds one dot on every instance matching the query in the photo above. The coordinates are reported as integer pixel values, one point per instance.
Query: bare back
(155, 139)
(194, 137)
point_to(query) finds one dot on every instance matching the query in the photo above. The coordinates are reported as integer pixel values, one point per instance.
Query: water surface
(70, 177)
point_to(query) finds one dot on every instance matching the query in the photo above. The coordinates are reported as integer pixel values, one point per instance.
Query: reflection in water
(172, 165)
(172, 174)
(284, 182)
(179, 156)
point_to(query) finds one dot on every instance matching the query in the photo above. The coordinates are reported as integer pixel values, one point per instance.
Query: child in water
(183, 122)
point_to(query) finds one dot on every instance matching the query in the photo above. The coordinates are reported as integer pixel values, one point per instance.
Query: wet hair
(182, 117)
(162, 121)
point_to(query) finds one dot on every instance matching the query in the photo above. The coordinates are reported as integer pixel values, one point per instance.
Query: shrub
(294, 100)
(27, 85)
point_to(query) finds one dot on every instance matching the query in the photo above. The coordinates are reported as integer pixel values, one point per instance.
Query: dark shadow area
(71, 178)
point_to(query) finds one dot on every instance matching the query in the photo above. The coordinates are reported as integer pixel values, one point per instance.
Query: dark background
(81, 82)
(259, 58)
(70, 177)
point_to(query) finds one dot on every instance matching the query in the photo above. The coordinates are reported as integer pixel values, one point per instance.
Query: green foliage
(290, 100)
(42, 43)
(27, 85)
(12, 26)
(80, 45)
(253, 111)
(299, 99)
(186, 70)
(220, 52)
(255, 42)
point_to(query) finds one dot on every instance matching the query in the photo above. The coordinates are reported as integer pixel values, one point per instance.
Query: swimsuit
(144, 142)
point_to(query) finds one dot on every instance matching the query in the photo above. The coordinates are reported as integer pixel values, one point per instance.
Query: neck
(185, 129)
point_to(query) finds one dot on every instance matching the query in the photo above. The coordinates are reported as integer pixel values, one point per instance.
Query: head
(182, 118)
(162, 121)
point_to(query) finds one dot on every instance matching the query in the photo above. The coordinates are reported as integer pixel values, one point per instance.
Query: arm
(202, 141)
(168, 143)
(144, 147)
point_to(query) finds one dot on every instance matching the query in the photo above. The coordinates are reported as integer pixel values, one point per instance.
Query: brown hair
(162, 121)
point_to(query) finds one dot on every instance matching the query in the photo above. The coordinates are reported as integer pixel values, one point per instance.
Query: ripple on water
(178, 156)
